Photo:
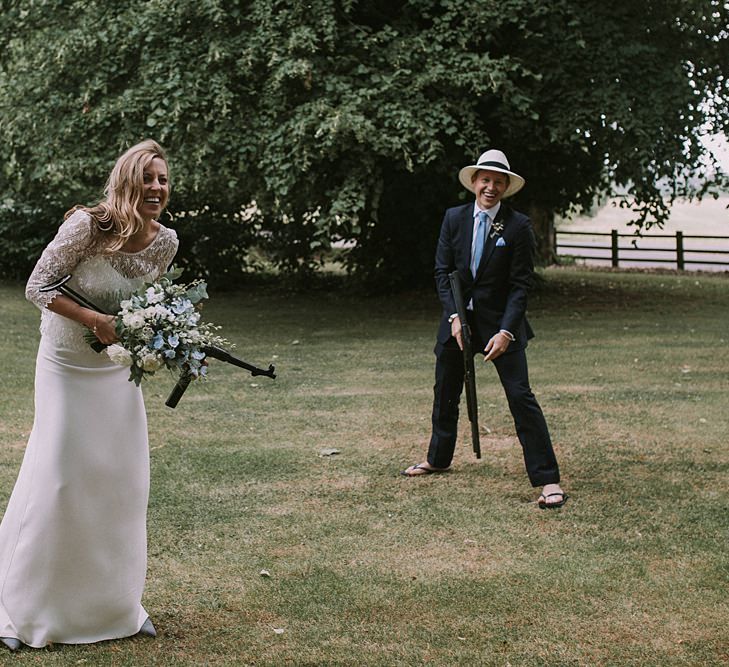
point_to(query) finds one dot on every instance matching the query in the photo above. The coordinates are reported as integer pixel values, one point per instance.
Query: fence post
(679, 251)
(614, 237)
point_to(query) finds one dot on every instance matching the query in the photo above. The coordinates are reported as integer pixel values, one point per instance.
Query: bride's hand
(105, 328)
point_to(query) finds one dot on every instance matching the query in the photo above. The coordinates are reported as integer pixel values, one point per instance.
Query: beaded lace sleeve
(77, 239)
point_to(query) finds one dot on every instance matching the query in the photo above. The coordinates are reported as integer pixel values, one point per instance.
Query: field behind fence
(695, 238)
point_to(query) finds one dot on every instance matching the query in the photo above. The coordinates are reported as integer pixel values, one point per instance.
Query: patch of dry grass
(369, 568)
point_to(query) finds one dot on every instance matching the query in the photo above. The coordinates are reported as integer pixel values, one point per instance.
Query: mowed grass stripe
(369, 568)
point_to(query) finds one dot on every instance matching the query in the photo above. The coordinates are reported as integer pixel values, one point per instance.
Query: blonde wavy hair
(118, 214)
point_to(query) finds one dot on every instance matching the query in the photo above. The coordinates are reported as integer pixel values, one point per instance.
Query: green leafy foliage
(294, 125)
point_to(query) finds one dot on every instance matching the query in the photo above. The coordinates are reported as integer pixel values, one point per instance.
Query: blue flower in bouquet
(180, 306)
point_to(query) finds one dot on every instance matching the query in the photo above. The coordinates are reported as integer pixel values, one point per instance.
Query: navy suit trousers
(531, 427)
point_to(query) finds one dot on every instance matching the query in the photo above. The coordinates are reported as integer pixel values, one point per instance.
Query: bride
(73, 546)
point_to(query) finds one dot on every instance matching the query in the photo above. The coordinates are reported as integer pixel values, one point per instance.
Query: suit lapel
(467, 241)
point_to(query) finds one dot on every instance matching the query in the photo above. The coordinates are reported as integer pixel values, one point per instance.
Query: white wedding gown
(73, 546)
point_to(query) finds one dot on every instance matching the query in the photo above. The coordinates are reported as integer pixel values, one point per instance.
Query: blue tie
(483, 221)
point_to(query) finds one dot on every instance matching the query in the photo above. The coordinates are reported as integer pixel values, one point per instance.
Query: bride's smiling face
(155, 190)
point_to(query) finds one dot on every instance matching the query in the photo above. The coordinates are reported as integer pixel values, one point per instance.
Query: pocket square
(500, 242)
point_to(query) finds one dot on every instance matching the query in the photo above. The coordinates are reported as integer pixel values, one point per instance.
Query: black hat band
(500, 165)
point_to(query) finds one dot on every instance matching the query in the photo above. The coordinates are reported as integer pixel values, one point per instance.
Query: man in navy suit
(492, 248)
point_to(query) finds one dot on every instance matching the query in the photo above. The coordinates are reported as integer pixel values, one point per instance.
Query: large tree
(294, 124)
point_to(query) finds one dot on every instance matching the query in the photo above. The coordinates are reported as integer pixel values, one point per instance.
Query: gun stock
(469, 378)
(178, 390)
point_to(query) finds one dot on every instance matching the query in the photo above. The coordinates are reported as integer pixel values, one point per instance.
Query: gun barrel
(61, 285)
(223, 355)
(55, 284)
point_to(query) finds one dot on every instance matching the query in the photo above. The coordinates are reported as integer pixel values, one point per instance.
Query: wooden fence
(680, 251)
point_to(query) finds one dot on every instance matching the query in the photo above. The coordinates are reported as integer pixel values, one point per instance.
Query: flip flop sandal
(543, 504)
(419, 466)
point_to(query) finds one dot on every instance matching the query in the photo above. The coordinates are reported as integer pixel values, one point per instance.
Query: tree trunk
(543, 222)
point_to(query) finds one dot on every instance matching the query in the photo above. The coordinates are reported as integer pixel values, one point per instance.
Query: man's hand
(456, 331)
(496, 346)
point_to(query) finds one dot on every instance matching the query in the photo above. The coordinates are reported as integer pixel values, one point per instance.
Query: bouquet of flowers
(159, 326)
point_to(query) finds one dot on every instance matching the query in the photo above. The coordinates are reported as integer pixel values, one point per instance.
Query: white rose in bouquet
(150, 363)
(119, 355)
(134, 320)
(154, 295)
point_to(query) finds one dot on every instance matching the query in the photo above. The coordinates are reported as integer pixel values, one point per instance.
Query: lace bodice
(105, 279)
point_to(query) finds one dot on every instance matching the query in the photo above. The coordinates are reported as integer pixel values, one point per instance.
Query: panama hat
(492, 160)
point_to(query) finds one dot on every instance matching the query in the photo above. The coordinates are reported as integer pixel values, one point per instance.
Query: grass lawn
(366, 567)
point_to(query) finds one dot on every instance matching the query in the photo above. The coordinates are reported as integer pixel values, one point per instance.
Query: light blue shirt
(492, 212)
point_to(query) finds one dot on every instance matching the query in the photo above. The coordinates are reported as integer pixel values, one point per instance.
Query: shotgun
(213, 351)
(469, 377)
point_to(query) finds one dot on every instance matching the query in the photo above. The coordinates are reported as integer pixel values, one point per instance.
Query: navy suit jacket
(503, 278)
